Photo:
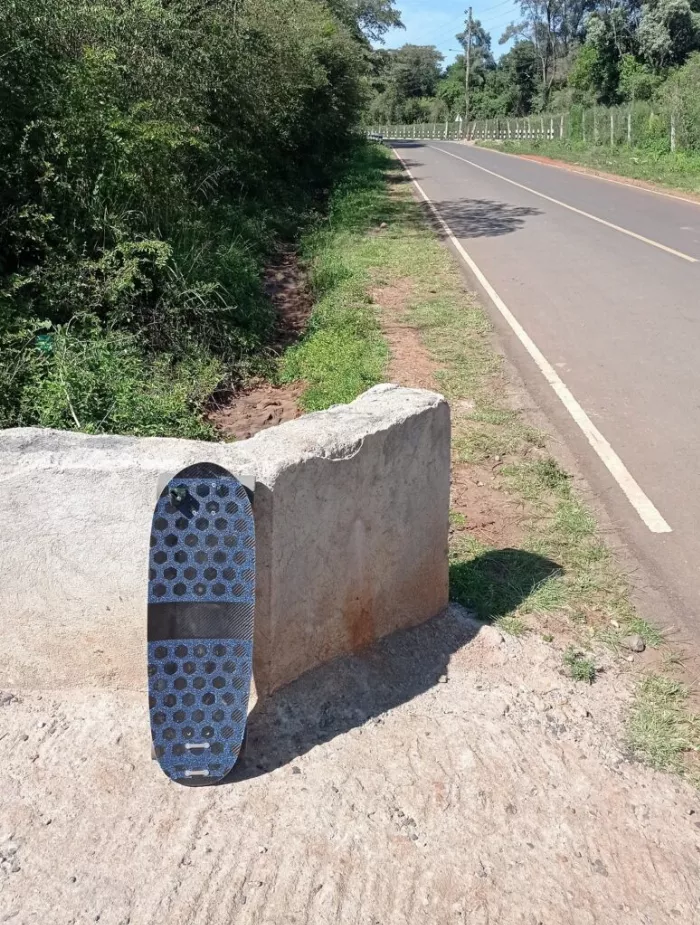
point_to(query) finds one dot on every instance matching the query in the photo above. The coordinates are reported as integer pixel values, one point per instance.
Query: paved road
(615, 311)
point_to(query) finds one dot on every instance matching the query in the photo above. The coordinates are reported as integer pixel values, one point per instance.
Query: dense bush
(150, 153)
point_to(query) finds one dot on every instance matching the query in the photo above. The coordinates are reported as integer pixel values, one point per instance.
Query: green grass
(579, 666)
(677, 171)
(343, 352)
(662, 730)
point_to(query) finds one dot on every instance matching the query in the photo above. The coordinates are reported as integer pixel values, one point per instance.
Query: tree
(552, 26)
(415, 70)
(596, 69)
(637, 80)
(451, 88)
(541, 23)
(668, 31)
(369, 18)
(520, 68)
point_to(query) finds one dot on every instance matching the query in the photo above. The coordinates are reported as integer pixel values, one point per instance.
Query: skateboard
(201, 609)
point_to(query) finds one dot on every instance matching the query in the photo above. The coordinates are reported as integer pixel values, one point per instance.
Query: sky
(437, 22)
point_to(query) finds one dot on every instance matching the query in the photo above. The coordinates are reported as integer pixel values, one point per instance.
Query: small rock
(296, 770)
(615, 624)
(443, 679)
(634, 643)
(490, 636)
(383, 225)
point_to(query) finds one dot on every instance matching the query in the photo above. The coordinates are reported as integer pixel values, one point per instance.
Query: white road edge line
(639, 501)
(564, 205)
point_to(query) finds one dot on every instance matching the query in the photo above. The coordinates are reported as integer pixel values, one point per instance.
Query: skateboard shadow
(350, 691)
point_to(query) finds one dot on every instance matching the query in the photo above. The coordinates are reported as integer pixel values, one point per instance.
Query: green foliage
(519, 66)
(637, 80)
(662, 728)
(596, 68)
(668, 31)
(371, 18)
(100, 382)
(680, 98)
(580, 668)
(151, 153)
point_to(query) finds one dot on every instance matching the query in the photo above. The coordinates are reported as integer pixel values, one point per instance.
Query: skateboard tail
(199, 704)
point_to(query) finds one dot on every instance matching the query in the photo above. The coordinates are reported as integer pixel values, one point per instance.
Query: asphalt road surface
(594, 287)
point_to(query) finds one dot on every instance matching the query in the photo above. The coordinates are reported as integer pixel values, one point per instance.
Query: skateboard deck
(201, 608)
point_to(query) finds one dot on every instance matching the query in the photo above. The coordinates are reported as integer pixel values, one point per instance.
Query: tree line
(565, 53)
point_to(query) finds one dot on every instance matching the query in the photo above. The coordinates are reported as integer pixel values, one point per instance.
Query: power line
(495, 7)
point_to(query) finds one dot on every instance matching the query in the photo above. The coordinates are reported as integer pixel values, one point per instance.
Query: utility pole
(469, 62)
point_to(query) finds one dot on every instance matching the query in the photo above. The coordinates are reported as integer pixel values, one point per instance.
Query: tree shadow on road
(349, 691)
(483, 218)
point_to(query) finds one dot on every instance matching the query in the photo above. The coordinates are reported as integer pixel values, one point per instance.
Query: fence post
(561, 127)
(612, 128)
(529, 128)
(595, 128)
(673, 133)
(629, 127)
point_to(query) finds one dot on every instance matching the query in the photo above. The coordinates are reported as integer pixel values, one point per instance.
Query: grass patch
(678, 171)
(662, 731)
(514, 626)
(343, 352)
(579, 667)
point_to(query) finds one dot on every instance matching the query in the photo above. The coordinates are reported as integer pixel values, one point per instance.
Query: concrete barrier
(351, 513)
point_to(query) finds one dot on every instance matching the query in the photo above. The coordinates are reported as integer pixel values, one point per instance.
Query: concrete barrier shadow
(353, 690)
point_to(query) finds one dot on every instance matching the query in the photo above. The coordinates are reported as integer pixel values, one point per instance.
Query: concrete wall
(351, 514)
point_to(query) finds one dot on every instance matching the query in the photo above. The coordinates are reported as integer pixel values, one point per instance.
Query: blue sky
(436, 22)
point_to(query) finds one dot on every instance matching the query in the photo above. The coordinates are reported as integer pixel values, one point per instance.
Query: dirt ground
(259, 404)
(447, 774)
(491, 517)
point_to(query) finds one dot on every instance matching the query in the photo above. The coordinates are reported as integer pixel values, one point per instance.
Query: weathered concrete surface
(352, 522)
(370, 794)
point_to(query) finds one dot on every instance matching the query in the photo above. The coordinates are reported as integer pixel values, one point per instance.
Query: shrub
(151, 154)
